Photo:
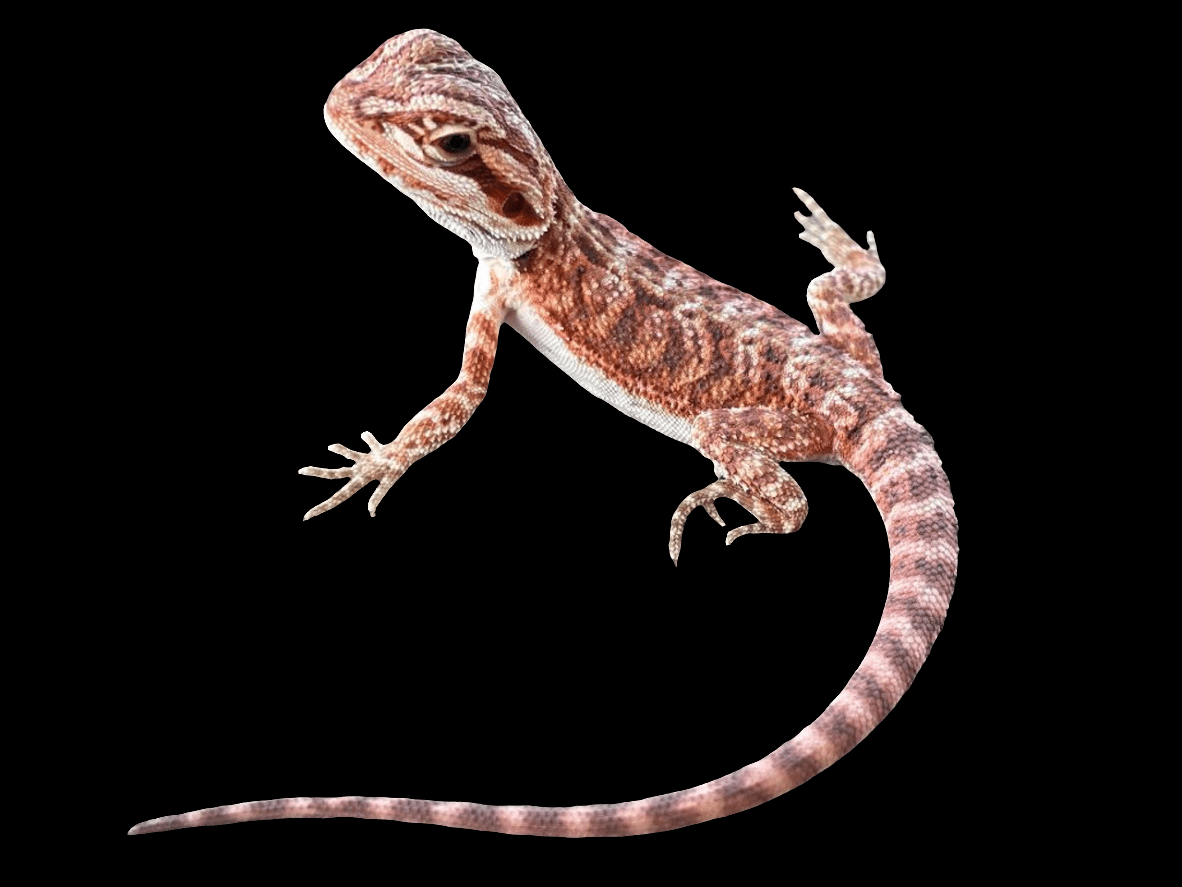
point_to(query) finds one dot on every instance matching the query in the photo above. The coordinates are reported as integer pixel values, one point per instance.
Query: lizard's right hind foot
(769, 518)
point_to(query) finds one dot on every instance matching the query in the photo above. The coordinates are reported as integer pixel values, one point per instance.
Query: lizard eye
(451, 147)
(456, 143)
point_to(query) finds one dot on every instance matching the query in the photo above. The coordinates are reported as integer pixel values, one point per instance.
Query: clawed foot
(720, 489)
(367, 467)
(838, 248)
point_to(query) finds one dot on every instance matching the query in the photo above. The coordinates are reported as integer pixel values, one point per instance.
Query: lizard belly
(526, 321)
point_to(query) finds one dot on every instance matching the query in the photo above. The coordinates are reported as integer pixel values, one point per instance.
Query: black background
(509, 628)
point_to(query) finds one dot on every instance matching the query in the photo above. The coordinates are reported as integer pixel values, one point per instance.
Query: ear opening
(514, 205)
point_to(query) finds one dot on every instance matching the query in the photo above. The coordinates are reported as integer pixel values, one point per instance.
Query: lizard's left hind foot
(857, 274)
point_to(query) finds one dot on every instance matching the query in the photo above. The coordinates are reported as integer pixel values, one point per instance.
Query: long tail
(895, 458)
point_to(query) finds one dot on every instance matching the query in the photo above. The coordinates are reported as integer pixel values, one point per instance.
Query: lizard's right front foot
(367, 467)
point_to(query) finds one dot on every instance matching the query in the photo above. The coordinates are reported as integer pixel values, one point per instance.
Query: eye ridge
(456, 143)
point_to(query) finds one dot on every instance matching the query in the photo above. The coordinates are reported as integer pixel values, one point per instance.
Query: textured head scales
(441, 127)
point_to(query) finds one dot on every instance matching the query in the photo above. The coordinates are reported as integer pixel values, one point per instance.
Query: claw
(705, 499)
(328, 473)
(338, 497)
(378, 494)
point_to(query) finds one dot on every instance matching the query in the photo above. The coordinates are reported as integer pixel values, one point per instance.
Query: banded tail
(895, 458)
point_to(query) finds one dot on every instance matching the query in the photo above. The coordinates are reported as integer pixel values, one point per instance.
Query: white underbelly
(538, 334)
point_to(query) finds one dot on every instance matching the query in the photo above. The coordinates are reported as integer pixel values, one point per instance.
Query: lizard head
(442, 128)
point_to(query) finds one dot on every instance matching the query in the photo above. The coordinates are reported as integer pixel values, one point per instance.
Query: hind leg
(746, 445)
(857, 274)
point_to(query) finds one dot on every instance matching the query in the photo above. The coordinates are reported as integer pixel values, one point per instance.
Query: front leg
(434, 425)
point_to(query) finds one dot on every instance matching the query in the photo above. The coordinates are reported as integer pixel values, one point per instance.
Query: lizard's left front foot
(377, 465)
(770, 519)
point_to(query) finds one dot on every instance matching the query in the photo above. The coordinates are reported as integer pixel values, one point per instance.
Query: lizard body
(695, 359)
